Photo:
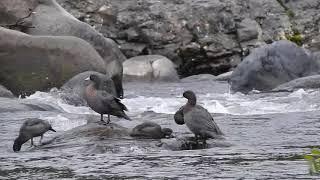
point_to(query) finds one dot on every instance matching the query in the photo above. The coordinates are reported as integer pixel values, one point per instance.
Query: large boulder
(38, 63)
(74, 89)
(309, 82)
(51, 19)
(149, 68)
(271, 65)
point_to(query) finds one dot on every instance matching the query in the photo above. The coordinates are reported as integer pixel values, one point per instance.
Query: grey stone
(51, 19)
(271, 65)
(309, 82)
(38, 63)
(149, 68)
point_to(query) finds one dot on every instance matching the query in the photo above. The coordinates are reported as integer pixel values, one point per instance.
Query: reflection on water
(266, 134)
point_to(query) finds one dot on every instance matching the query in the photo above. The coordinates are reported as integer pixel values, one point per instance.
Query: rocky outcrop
(12, 12)
(73, 89)
(4, 92)
(199, 36)
(309, 82)
(38, 63)
(271, 65)
(51, 19)
(149, 68)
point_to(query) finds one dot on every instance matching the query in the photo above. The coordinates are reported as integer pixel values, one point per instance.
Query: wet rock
(189, 143)
(224, 77)
(38, 63)
(199, 77)
(52, 19)
(4, 92)
(309, 82)
(14, 105)
(73, 89)
(93, 131)
(271, 65)
(149, 68)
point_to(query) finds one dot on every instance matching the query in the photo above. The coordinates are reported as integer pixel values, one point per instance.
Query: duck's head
(192, 99)
(167, 132)
(95, 79)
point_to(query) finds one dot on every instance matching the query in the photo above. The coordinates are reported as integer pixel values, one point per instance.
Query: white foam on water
(61, 123)
(235, 104)
(53, 100)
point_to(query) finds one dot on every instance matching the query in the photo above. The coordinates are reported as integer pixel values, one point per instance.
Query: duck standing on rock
(103, 102)
(31, 128)
(197, 118)
(150, 130)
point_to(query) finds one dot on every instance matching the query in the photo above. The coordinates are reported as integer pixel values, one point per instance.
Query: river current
(265, 136)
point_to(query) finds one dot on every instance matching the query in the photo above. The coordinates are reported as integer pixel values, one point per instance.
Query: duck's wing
(178, 116)
(206, 119)
(111, 101)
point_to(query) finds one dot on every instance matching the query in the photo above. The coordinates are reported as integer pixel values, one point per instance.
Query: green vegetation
(314, 161)
(296, 37)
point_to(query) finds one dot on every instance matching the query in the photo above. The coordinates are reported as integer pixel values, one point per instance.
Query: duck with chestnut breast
(103, 102)
(31, 128)
(197, 118)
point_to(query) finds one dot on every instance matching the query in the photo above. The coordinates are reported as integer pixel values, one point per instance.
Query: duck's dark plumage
(103, 102)
(150, 130)
(197, 118)
(31, 128)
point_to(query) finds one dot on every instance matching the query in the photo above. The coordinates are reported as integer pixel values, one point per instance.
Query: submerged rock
(73, 90)
(38, 63)
(309, 82)
(149, 68)
(199, 77)
(271, 65)
(51, 19)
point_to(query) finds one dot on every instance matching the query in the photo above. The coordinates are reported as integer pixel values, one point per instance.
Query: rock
(149, 68)
(224, 77)
(271, 65)
(38, 63)
(157, 24)
(15, 105)
(247, 30)
(92, 132)
(73, 90)
(13, 10)
(52, 19)
(189, 143)
(4, 92)
(309, 82)
(199, 77)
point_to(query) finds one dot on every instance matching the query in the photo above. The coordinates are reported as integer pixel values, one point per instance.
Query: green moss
(290, 13)
(296, 37)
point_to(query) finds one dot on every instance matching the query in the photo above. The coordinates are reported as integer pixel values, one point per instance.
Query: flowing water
(265, 136)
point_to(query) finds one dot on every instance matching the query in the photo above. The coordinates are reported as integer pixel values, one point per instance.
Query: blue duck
(197, 118)
(103, 102)
(150, 130)
(31, 128)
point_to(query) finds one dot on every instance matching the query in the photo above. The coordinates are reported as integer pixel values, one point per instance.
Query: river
(265, 136)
